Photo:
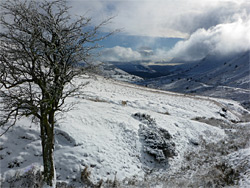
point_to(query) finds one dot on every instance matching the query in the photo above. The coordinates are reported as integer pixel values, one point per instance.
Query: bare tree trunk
(47, 136)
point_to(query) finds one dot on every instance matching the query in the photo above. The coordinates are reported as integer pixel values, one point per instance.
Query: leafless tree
(41, 47)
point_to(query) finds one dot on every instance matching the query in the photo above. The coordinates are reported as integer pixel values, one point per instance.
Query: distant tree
(41, 47)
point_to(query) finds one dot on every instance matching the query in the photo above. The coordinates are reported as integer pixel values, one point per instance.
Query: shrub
(124, 103)
(144, 118)
(33, 178)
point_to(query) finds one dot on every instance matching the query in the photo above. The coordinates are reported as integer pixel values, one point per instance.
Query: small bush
(31, 179)
(144, 118)
(156, 142)
(85, 175)
(124, 103)
(85, 178)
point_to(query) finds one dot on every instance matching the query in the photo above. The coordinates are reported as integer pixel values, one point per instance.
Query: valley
(216, 77)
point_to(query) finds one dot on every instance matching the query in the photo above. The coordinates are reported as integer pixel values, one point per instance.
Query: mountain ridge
(210, 79)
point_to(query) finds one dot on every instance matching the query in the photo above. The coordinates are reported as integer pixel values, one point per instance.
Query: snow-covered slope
(225, 78)
(134, 135)
(110, 71)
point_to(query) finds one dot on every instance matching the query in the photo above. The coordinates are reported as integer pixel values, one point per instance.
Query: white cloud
(122, 54)
(162, 18)
(119, 53)
(220, 12)
(222, 40)
(209, 26)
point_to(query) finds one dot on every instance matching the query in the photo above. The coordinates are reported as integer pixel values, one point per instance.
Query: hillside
(133, 136)
(109, 70)
(225, 78)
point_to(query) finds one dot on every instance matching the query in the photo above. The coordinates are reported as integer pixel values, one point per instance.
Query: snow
(111, 71)
(102, 133)
(225, 78)
(242, 156)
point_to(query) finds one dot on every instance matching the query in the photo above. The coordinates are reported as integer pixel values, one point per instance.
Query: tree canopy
(40, 53)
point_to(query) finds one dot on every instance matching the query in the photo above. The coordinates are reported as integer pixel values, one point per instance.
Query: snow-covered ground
(107, 131)
(108, 70)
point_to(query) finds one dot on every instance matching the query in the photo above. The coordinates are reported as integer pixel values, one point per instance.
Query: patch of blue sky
(136, 42)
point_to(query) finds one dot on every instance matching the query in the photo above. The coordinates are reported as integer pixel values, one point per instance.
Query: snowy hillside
(224, 78)
(138, 68)
(108, 70)
(132, 136)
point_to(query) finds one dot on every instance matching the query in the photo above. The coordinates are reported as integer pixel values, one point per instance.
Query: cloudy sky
(187, 29)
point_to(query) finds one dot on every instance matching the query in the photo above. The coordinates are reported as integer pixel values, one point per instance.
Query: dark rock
(195, 143)
(224, 110)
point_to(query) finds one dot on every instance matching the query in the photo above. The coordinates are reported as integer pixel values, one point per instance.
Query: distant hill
(225, 77)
